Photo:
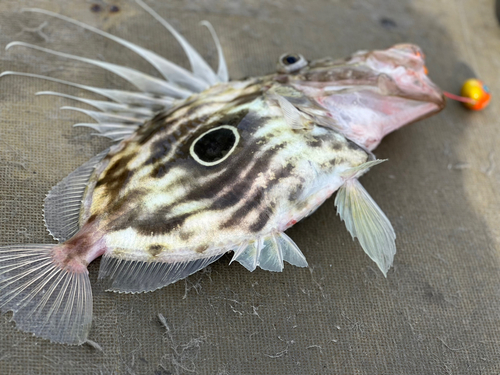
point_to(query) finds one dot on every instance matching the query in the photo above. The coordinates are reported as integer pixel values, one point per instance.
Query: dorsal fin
(156, 94)
(63, 203)
(140, 113)
(169, 70)
(222, 72)
(130, 98)
(200, 67)
(142, 81)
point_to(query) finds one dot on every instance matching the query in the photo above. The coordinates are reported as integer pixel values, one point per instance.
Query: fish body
(203, 166)
(153, 201)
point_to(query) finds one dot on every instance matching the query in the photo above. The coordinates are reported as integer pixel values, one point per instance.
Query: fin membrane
(63, 203)
(46, 300)
(365, 220)
(129, 276)
(269, 253)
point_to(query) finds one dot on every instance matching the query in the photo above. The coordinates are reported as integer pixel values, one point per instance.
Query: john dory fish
(201, 166)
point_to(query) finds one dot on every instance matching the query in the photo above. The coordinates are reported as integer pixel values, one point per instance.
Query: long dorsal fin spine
(222, 72)
(102, 105)
(156, 94)
(169, 70)
(102, 117)
(200, 67)
(119, 96)
(142, 81)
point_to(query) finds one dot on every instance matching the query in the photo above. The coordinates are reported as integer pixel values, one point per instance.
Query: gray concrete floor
(438, 310)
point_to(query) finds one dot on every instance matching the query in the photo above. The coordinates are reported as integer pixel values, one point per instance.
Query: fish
(200, 165)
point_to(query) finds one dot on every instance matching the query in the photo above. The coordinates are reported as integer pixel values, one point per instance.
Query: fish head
(367, 95)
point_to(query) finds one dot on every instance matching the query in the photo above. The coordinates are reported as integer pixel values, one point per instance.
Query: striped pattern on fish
(232, 202)
(202, 166)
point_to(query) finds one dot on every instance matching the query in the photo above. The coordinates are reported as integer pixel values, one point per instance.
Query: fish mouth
(412, 85)
(427, 92)
(412, 81)
(415, 98)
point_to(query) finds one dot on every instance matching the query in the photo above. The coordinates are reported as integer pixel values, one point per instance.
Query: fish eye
(289, 63)
(215, 145)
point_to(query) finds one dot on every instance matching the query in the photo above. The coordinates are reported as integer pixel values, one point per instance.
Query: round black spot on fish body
(290, 59)
(114, 9)
(215, 145)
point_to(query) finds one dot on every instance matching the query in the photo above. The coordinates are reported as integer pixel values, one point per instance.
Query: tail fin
(47, 300)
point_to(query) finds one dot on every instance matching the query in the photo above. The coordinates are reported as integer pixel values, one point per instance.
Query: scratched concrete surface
(438, 310)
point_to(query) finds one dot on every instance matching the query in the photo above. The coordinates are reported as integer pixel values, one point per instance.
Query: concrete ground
(437, 312)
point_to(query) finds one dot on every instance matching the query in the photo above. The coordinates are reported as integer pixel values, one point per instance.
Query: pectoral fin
(365, 220)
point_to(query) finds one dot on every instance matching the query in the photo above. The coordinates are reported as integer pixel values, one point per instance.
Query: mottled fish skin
(153, 201)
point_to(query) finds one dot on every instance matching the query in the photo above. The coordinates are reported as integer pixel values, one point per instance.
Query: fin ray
(60, 216)
(291, 114)
(103, 118)
(142, 81)
(200, 67)
(268, 253)
(42, 295)
(169, 70)
(107, 107)
(291, 252)
(222, 72)
(128, 276)
(356, 172)
(367, 222)
(154, 102)
(115, 136)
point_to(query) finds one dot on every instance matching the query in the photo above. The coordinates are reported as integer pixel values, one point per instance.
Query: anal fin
(269, 253)
(63, 203)
(130, 276)
(365, 220)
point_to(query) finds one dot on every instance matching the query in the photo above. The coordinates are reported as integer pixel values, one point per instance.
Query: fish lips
(416, 87)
